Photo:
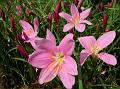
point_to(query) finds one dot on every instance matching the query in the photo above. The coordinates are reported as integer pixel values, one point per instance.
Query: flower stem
(79, 77)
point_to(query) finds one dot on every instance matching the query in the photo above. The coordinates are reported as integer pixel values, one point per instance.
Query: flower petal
(28, 29)
(32, 42)
(70, 65)
(24, 36)
(45, 44)
(25, 25)
(86, 21)
(108, 58)
(50, 37)
(74, 10)
(80, 27)
(87, 42)
(67, 44)
(83, 56)
(65, 16)
(85, 14)
(106, 39)
(48, 73)
(36, 24)
(40, 59)
(67, 79)
(68, 27)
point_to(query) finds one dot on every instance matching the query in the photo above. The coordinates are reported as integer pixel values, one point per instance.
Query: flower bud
(19, 10)
(101, 6)
(56, 12)
(110, 3)
(12, 22)
(2, 14)
(104, 21)
(76, 2)
(18, 37)
(49, 19)
(22, 51)
(28, 11)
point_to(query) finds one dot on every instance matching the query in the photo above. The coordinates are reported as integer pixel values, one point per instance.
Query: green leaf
(20, 59)
(115, 88)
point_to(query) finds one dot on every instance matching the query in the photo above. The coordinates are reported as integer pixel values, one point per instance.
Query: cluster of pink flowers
(56, 60)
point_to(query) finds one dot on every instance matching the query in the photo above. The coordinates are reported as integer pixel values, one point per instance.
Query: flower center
(75, 20)
(29, 32)
(95, 50)
(58, 58)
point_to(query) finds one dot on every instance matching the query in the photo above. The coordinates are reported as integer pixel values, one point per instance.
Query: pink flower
(77, 19)
(29, 34)
(55, 60)
(93, 47)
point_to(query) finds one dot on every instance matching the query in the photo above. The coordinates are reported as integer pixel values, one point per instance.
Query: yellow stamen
(58, 58)
(29, 32)
(95, 50)
(75, 20)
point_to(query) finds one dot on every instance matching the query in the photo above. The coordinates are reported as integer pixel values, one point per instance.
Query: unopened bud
(28, 11)
(22, 51)
(2, 14)
(19, 10)
(101, 6)
(12, 22)
(104, 21)
(56, 12)
(50, 20)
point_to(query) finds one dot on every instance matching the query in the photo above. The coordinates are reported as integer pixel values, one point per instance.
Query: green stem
(79, 77)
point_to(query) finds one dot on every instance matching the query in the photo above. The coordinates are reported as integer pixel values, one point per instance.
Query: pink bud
(79, 4)
(101, 6)
(104, 21)
(58, 7)
(19, 10)
(22, 51)
(96, 7)
(18, 37)
(56, 12)
(2, 14)
(110, 3)
(28, 11)
(12, 22)
(49, 20)
(36, 24)
(76, 2)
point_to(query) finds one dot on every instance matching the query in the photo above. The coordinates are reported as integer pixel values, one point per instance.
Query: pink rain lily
(93, 47)
(29, 34)
(77, 19)
(55, 60)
